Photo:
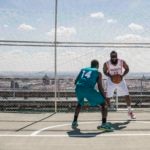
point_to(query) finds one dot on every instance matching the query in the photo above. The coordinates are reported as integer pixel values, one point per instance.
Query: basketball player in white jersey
(117, 68)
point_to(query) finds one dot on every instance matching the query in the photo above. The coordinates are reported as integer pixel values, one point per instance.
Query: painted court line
(78, 135)
(112, 134)
(62, 125)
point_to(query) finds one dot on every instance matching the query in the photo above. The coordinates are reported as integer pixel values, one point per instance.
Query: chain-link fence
(24, 94)
(139, 93)
(64, 36)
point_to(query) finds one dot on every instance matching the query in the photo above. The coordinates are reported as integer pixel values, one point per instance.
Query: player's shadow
(120, 125)
(77, 133)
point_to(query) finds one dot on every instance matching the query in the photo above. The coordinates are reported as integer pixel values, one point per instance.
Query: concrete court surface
(48, 131)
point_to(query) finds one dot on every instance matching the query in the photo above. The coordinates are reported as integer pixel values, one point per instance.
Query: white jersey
(115, 69)
(121, 87)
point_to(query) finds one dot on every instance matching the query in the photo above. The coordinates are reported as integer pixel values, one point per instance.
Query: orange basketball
(116, 78)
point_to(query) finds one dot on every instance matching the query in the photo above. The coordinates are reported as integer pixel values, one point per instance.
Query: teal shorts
(93, 96)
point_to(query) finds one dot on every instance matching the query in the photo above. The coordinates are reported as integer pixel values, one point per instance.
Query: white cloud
(135, 27)
(136, 58)
(97, 15)
(63, 32)
(70, 59)
(20, 60)
(25, 27)
(111, 21)
(132, 38)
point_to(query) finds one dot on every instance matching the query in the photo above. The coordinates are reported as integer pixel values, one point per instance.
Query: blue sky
(78, 20)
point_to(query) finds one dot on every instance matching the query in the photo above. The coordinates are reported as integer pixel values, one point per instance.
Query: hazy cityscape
(65, 81)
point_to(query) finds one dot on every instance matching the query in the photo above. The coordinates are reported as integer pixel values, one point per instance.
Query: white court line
(78, 135)
(62, 125)
(141, 122)
(35, 134)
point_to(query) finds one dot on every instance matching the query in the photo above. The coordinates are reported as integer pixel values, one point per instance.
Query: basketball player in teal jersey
(85, 88)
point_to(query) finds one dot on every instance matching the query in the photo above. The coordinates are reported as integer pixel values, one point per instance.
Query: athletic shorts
(120, 88)
(93, 96)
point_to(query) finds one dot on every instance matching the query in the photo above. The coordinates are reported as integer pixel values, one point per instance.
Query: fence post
(14, 89)
(116, 100)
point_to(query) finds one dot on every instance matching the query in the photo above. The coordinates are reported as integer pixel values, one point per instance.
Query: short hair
(94, 63)
(113, 52)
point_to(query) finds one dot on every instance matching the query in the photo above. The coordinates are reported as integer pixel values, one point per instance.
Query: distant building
(52, 82)
(46, 80)
(14, 84)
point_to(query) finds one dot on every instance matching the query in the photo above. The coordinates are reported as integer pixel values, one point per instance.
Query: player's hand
(121, 76)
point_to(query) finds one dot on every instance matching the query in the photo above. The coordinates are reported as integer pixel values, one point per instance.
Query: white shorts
(121, 88)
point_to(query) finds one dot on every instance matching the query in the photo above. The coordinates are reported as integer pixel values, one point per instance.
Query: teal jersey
(87, 77)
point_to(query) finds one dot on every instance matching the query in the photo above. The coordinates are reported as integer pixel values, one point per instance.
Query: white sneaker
(131, 115)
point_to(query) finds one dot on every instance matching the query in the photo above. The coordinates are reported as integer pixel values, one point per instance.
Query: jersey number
(86, 74)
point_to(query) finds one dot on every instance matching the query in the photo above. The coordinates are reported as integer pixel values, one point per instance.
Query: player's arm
(100, 86)
(126, 67)
(105, 70)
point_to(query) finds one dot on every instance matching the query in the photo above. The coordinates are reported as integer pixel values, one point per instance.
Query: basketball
(116, 78)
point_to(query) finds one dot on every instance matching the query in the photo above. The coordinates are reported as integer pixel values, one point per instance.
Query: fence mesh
(38, 95)
(57, 42)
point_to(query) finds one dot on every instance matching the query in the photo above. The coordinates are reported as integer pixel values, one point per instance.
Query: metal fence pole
(14, 89)
(55, 49)
(116, 100)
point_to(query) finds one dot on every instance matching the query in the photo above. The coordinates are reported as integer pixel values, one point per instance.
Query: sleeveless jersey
(87, 77)
(115, 69)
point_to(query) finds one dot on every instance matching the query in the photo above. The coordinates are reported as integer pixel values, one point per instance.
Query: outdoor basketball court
(37, 131)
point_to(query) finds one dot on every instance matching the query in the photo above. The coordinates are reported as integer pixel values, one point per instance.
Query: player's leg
(130, 112)
(105, 125)
(122, 90)
(80, 97)
(108, 101)
(104, 112)
(76, 114)
(96, 99)
(128, 101)
(110, 88)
